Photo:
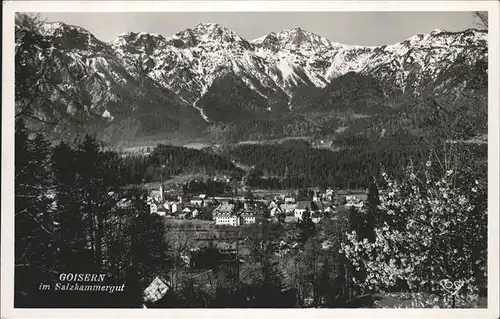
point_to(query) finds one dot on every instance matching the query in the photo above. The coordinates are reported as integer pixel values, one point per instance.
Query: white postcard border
(7, 218)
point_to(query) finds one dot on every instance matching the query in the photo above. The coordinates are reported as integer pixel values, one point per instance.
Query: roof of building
(303, 204)
(247, 214)
(154, 192)
(288, 206)
(223, 214)
(291, 219)
(223, 198)
(225, 207)
(317, 205)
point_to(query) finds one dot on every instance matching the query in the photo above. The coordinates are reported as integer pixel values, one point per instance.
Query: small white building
(329, 210)
(316, 197)
(174, 207)
(299, 214)
(196, 201)
(153, 208)
(354, 201)
(351, 198)
(288, 208)
(316, 217)
(289, 200)
(275, 211)
(247, 218)
(329, 194)
(302, 207)
(272, 204)
(357, 205)
(162, 211)
(195, 213)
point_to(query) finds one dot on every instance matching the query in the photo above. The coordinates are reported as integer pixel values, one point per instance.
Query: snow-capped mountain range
(209, 70)
(191, 60)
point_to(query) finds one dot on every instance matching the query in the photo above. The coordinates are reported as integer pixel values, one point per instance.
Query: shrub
(434, 229)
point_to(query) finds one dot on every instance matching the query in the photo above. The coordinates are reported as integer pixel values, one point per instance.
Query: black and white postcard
(201, 158)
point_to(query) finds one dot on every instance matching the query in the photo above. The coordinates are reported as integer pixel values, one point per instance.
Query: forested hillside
(173, 160)
(351, 164)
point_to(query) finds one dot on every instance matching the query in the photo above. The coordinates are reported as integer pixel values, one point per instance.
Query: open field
(481, 139)
(197, 145)
(205, 224)
(275, 141)
(174, 180)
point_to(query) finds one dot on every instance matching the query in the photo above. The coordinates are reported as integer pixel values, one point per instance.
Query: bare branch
(481, 19)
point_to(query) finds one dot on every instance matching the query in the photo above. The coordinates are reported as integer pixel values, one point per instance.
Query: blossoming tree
(434, 235)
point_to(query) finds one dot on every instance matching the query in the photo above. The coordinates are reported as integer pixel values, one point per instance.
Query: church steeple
(161, 191)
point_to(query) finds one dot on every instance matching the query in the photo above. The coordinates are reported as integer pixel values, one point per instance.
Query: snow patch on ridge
(203, 115)
(285, 68)
(288, 72)
(107, 115)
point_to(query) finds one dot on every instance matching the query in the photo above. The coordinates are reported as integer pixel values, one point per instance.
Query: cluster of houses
(314, 209)
(238, 210)
(354, 201)
(230, 214)
(177, 208)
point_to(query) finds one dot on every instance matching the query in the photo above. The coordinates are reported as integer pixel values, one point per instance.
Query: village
(240, 210)
(222, 231)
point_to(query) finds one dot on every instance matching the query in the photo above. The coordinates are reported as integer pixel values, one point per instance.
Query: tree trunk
(98, 240)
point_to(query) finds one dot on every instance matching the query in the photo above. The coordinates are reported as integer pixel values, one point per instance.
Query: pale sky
(361, 28)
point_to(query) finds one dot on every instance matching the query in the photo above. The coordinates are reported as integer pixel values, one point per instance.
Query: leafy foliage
(436, 231)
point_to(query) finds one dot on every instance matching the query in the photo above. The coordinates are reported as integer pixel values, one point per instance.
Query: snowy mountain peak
(66, 35)
(442, 38)
(140, 35)
(437, 31)
(268, 42)
(137, 37)
(210, 26)
(208, 33)
(59, 29)
(134, 42)
(208, 65)
(294, 39)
